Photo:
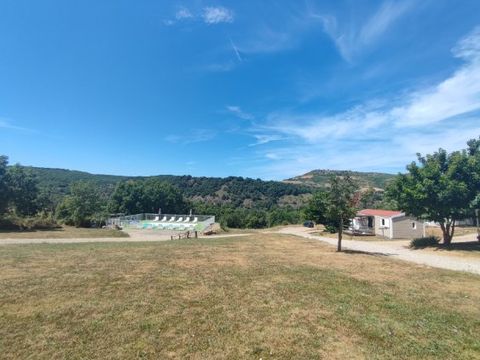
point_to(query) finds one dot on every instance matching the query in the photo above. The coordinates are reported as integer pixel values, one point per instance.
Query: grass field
(65, 232)
(261, 296)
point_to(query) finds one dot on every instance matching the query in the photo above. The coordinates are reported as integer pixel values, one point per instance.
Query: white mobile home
(387, 223)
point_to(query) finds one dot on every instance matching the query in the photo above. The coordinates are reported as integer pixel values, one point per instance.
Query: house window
(414, 225)
(383, 222)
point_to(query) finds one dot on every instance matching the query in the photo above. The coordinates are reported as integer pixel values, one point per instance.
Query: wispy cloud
(195, 136)
(219, 67)
(210, 15)
(235, 50)
(265, 139)
(458, 95)
(384, 133)
(267, 40)
(183, 13)
(7, 124)
(350, 39)
(238, 112)
(217, 15)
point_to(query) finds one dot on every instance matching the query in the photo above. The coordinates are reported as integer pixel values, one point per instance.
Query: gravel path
(391, 249)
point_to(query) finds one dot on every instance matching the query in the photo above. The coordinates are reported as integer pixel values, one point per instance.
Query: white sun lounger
(187, 219)
(195, 220)
(172, 219)
(156, 218)
(180, 219)
(164, 218)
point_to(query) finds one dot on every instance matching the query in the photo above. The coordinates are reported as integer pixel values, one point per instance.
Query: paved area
(395, 250)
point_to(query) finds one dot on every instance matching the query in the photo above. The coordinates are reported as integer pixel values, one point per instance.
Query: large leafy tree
(23, 190)
(133, 197)
(82, 206)
(335, 207)
(441, 187)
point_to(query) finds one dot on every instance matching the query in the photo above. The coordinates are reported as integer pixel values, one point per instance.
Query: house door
(370, 222)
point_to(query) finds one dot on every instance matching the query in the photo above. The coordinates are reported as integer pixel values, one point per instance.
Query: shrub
(42, 221)
(424, 242)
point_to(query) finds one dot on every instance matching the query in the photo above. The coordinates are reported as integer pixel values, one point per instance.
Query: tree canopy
(147, 196)
(335, 207)
(82, 206)
(441, 187)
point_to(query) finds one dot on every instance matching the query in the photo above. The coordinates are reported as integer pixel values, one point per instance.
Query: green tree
(4, 188)
(335, 207)
(442, 187)
(82, 207)
(23, 190)
(133, 197)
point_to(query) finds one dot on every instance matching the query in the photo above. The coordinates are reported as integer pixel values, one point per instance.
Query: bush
(424, 242)
(42, 221)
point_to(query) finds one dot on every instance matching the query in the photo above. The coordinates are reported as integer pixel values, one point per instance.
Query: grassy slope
(265, 296)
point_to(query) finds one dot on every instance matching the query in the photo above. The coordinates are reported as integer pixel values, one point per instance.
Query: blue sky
(267, 89)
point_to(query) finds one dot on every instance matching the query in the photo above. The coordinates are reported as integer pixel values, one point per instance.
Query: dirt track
(395, 250)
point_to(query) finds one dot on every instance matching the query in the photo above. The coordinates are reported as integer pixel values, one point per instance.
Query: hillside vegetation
(320, 178)
(234, 191)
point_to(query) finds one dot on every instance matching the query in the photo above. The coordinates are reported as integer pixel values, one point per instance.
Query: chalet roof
(379, 212)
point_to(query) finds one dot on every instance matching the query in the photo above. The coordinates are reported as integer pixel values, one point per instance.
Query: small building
(387, 223)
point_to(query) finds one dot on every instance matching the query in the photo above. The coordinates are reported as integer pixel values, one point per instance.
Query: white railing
(174, 222)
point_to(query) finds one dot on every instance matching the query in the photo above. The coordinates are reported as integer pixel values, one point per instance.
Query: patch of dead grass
(64, 232)
(264, 296)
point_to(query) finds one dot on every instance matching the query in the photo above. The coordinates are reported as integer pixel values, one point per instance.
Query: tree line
(441, 187)
(25, 204)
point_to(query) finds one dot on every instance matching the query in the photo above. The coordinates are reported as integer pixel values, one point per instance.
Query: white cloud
(7, 124)
(236, 51)
(217, 15)
(265, 139)
(382, 134)
(238, 112)
(456, 96)
(218, 67)
(350, 39)
(267, 40)
(194, 136)
(183, 13)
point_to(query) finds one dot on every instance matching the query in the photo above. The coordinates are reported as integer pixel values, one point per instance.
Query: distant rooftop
(379, 212)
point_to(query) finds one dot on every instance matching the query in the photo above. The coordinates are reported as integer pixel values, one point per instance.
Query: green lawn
(262, 296)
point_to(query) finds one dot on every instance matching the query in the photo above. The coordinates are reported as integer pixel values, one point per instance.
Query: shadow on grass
(460, 246)
(464, 246)
(359, 252)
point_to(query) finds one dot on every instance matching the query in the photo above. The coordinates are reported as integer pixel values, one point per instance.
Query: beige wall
(402, 228)
(378, 226)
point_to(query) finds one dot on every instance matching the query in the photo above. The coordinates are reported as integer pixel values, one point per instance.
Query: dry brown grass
(64, 232)
(459, 231)
(264, 296)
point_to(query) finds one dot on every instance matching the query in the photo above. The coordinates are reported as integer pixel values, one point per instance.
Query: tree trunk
(448, 229)
(340, 232)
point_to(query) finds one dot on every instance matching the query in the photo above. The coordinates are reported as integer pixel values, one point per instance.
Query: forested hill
(319, 178)
(234, 191)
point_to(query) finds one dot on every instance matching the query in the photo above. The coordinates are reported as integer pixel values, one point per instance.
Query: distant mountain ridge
(319, 178)
(234, 191)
